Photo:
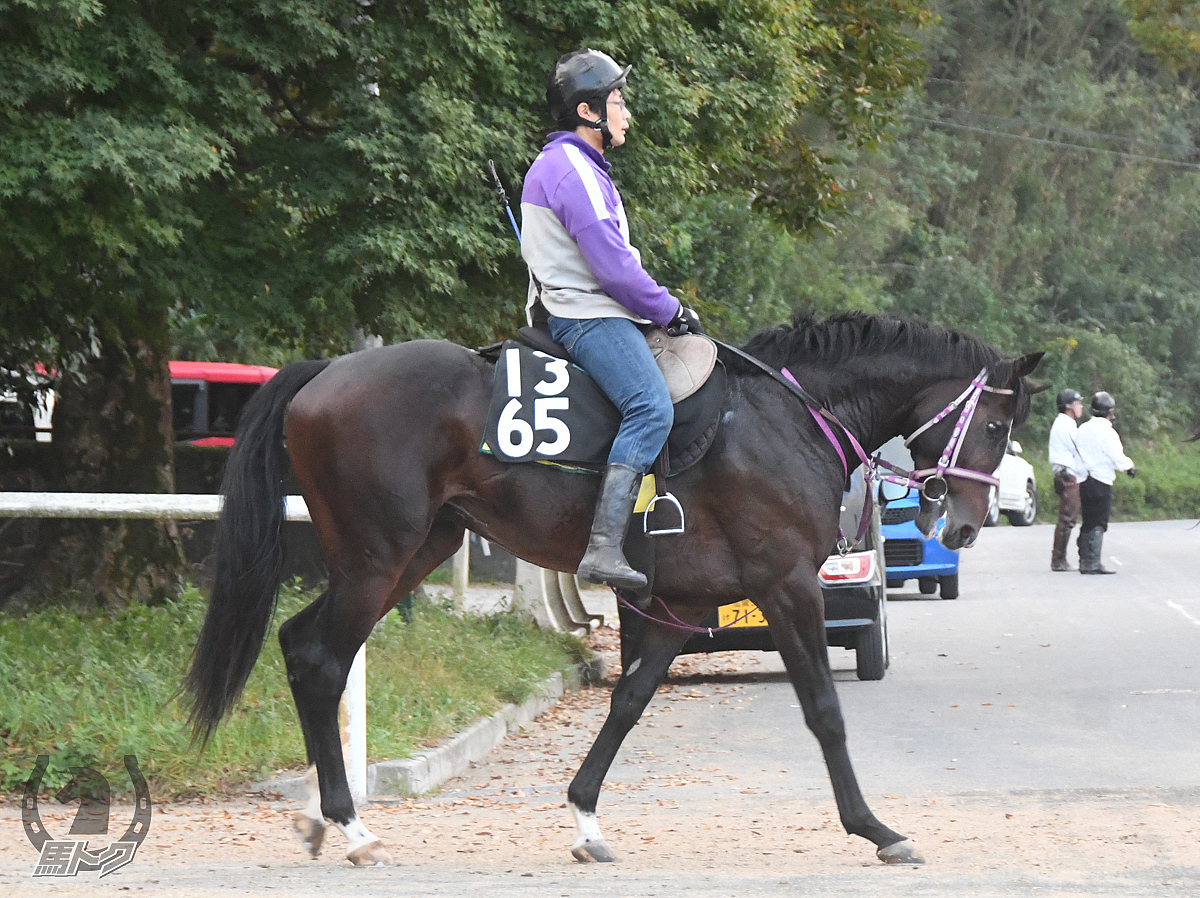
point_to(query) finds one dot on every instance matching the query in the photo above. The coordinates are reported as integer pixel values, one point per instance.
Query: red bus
(208, 398)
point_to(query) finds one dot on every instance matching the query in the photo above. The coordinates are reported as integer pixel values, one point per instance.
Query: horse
(385, 444)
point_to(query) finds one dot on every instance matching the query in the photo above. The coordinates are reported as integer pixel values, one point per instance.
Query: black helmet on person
(1066, 397)
(585, 76)
(1103, 404)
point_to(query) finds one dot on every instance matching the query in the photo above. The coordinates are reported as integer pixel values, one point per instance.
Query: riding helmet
(585, 76)
(1066, 397)
(1103, 404)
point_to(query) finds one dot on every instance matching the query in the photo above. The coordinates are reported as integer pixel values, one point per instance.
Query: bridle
(931, 482)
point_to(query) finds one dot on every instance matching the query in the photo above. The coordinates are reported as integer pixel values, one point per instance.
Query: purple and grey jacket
(575, 239)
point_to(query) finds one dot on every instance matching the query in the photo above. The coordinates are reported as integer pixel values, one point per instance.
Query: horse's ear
(1035, 388)
(1026, 365)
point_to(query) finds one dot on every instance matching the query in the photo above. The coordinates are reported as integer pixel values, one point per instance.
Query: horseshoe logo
(36, 831)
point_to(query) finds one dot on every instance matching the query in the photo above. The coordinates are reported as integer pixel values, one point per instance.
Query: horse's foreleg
(800, 638)
(650, 657)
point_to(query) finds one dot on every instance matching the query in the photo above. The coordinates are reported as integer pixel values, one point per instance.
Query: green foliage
(1042, 193)
(1170, 29)
(277, 172)
(90, 688)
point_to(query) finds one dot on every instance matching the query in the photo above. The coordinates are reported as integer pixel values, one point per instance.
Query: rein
(925, 480)
(931, 482)
(674, 621)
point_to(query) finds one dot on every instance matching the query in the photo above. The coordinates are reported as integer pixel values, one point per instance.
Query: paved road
(1036, 736)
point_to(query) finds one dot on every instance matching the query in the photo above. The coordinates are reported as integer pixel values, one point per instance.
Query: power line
(943, 109)
(1053, 143)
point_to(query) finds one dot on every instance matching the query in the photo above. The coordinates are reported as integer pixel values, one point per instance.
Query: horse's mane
(850, 335)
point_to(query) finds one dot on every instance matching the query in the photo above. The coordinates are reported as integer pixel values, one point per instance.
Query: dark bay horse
(385, 444)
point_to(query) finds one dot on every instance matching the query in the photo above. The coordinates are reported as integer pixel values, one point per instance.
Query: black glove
(686, 321)
(1132, 472)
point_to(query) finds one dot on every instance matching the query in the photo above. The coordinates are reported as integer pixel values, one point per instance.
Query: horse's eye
(994, 428)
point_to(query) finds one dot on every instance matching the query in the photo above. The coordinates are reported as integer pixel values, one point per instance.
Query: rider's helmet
(1103, 404)
(1066, 397)
(585, 76)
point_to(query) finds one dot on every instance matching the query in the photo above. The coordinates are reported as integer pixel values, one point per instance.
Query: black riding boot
(604, 561)
(1092, 542)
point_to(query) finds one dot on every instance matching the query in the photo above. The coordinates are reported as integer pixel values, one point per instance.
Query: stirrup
(665, 531)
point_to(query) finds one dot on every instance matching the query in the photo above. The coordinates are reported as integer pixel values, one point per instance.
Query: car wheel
(993, 512)
(927, 585)
(871, 652)
(949, 586)
(1026, 515)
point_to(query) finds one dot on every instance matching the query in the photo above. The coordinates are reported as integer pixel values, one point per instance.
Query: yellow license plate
(740, 614)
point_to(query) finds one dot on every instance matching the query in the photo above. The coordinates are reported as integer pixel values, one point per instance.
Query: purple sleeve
(621, 275)
(615, 266)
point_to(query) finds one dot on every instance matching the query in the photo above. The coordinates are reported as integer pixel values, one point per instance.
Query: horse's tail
(248, 552)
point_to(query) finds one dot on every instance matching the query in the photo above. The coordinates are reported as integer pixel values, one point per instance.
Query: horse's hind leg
(319, 645)
(797, 624)
(650, 656)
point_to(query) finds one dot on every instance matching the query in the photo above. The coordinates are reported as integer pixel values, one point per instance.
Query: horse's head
(958, 481)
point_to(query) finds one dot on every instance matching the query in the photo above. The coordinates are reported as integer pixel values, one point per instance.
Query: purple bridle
(947, 465)
(929, 481)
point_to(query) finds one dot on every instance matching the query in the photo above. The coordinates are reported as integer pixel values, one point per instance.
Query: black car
(853, 585)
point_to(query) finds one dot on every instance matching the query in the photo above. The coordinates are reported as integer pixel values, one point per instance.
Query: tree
(273, 174)
(1042, 191)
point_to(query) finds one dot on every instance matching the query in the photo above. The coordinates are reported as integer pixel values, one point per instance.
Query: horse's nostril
(966, 533)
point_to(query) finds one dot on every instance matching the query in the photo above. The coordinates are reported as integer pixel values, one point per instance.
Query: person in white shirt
(1069, 471)
(1102, 452)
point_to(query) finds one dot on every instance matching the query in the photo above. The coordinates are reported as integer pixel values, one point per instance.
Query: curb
(427, 770)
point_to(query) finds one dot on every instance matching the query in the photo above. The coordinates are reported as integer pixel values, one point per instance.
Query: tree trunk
(112, 433)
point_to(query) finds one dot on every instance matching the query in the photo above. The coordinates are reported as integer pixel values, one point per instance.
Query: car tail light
(857, 567)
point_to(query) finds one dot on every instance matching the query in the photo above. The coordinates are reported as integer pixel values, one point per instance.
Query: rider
(595, 294)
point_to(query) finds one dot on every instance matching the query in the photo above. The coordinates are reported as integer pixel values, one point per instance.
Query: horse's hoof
(311, 833)
(902, 852)
(596, 850)
(373, 854)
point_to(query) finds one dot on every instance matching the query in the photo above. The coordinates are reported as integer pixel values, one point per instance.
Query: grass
(89, 688)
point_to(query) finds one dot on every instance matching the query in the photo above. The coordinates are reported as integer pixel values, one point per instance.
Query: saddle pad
(548, 409)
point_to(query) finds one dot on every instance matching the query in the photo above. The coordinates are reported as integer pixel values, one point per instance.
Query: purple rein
(930, 481)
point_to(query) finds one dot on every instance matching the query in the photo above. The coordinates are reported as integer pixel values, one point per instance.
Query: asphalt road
(1032, 679)
(1036, 736)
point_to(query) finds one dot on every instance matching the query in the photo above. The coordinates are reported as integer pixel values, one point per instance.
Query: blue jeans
(614, 353)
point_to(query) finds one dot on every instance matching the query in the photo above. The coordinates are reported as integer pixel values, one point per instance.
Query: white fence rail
(155, 506)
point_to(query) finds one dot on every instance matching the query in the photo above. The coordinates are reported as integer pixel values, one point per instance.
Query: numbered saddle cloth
(546, 408)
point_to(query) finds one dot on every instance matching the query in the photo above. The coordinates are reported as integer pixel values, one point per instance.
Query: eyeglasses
(620, 104)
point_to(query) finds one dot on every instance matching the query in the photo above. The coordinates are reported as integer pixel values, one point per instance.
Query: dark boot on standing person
(604, 561)
(1058, 555)
(1091, 545)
